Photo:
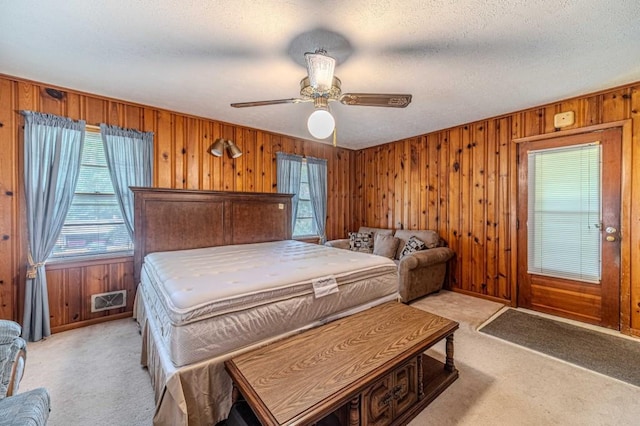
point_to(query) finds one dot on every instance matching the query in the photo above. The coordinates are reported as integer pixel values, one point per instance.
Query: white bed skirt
(199, 393)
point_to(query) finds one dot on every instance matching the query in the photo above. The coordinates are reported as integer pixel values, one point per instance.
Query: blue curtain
(129, 155)
(317, 169)
(52, 155)
(289, 167)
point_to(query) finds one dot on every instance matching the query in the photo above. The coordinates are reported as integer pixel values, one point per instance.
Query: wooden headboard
(178, 219)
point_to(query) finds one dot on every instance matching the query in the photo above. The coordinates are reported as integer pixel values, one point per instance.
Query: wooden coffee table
(368, 368)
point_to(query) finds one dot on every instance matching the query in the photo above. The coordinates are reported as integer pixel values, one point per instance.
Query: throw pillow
(385, 245)
(361, 241)
(413, 245)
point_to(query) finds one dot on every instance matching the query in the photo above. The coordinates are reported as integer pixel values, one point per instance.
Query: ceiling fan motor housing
(306, 90)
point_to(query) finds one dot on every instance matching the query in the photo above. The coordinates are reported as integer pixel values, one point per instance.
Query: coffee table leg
(354, 412)
(420, 378)
(449, 362)
(235, 393)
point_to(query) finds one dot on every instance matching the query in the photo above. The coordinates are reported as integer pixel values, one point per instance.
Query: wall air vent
(106, 301)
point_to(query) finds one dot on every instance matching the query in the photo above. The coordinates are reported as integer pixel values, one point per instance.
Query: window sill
(314, 239)
(80, 261)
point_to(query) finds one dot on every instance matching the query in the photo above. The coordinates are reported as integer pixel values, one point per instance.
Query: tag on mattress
(324, 286)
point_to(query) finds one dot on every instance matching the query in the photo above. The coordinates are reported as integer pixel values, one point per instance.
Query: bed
(219, 274)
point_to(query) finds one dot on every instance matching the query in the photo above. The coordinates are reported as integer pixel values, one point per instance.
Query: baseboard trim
(92, 321)
(482, 296)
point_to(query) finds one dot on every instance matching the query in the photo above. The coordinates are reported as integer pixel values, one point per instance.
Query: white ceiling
(462, 60)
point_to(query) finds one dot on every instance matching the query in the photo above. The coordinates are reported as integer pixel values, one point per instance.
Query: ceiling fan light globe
(321, 124)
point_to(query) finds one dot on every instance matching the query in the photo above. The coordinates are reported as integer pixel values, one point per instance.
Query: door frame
(625, 212)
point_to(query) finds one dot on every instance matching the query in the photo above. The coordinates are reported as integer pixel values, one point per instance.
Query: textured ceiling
(462, 60)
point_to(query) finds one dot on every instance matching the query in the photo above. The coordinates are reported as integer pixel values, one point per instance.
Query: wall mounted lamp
(220, 144)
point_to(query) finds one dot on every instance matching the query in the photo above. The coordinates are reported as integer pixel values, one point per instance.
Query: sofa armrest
(422, 272)
(13, 350)
(9, 330)
(425, 258)
(27, 408)
(342, 243)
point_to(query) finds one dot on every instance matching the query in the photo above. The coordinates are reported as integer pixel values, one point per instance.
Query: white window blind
(564, 217)
(94, 223)
(305, 226)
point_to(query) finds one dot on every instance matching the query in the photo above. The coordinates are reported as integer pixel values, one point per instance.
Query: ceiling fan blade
(272, 102)
(376, 99)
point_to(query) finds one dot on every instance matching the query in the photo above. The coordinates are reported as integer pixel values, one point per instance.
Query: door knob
(610, 238)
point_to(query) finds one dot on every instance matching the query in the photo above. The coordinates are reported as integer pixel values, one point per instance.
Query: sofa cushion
(385, 245)
(430, 238)
(413, 245)
(375, 231)
(361, 241)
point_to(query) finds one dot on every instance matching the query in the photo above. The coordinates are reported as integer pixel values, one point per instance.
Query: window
(305, 226)
(564, 212)
(94, 223)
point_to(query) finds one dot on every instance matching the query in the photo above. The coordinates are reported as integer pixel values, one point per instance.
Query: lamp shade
(218, 147)
(320, 69)
(321, 124)
(234, 151)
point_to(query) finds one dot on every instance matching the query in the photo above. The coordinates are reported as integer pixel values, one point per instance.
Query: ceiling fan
(321, 86)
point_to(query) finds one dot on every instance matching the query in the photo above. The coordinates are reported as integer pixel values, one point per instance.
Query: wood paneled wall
(181, 161)
(462, 182)
(459, 181)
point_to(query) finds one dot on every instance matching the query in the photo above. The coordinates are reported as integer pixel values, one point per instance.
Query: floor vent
(111, 300)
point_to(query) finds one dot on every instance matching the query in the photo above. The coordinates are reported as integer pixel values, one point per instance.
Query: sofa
(421, 270)
(27, 408)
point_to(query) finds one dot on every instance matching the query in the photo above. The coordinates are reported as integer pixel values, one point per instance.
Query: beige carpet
(94, 378)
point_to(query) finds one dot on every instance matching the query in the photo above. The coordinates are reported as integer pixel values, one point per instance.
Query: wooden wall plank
(431, 183)
(549, 112)
(55, 286)
(406, 187)
(248, 150)
(414, 205)
(216, 164)
(633, 302)
(96, 111)
(616, 105)
(503, 129)
(179, 151)
(491, 172)
(455, 199)
(73, 106)
(466, 211)
(8, 197)
(207, 157)
(238, 164)
(194, 153)
(228, 167)
(443, 186)
(533, 122)
(389, 163)
(48, 103)
(74, 302)
(478, 207)
(341, 221)
(95, 280)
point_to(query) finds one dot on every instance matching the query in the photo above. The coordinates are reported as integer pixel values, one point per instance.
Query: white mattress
(211, 301)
